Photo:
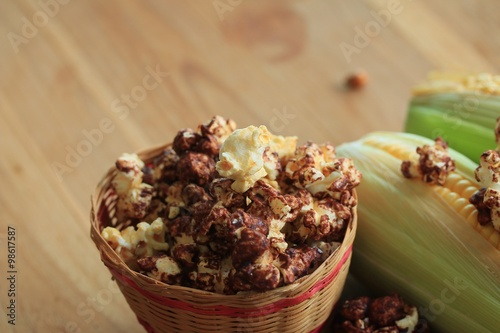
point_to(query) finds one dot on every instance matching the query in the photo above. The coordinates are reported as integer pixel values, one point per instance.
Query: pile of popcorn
(434, 164)
(386, 314)
(229, 210)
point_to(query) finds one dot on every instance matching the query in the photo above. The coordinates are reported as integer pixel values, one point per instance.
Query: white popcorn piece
(139, 242)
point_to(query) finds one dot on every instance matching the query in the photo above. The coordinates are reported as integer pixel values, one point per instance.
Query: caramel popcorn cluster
(433, 165)
(387, 314)
(487, 199)
(229, 210)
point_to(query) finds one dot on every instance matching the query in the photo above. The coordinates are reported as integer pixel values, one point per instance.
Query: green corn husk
(463, 110)
(422, 240)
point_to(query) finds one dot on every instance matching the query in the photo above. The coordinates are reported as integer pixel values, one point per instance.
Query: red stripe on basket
(233, 311)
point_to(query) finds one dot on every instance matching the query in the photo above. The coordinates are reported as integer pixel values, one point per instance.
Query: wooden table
(84, 81)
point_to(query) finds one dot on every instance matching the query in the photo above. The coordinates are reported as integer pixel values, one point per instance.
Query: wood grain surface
(84, 81)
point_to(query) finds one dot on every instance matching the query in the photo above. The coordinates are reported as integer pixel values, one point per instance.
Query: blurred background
(84, 81)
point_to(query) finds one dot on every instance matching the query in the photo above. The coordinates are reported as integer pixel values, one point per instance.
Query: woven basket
(301, 307)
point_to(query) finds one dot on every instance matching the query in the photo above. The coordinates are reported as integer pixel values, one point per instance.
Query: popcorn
(142, 241)
(487, 200)
(488, 171)
(241, 157)
(165, 166)
(383, 314)
(161, 267)
(433, 166)
(134, 196)
(323, 219)
(297, 261)
(219, 127)
(220, 189)
(207, 273)
(186, 140)
(284, 146)
(252, 153)
(207, 139)
(410, 321)
(325, 248)
(317, 169)
(228, 210)
(196, 168)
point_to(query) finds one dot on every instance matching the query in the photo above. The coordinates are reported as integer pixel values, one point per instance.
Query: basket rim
(114, 263)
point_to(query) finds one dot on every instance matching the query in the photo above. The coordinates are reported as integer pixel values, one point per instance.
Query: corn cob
(419, 238)
(460, 108)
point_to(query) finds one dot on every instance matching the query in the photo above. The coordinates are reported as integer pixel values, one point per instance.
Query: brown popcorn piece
(297, 262)
(147, 264)
(216, 231)
(321, 220)
(213, 135)
(193, 193)
(252, 255)
(356, 308)
(196, 168)
(207, 139)
(165, 166)
(267, 202)
(208, 145)
(181, 230)
(217, 219)
(161, 267)
(207, 273)
(242, 219)
(483, 211)
(199, 210)
(255, 277)
(220, 189)
(219, 127)
(171, 196)
(357, 326)
(349, 176)
(316, 168)
(185, 140)
(250, 245)
(303, 167)
(433, 165)
(325, 249)
(386, 310)
(155, 209)
(185, 254)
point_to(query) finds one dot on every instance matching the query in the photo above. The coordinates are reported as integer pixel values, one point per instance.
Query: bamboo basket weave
(301, 307)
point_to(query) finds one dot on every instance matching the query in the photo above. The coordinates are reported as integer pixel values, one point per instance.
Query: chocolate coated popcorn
(232, 210)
